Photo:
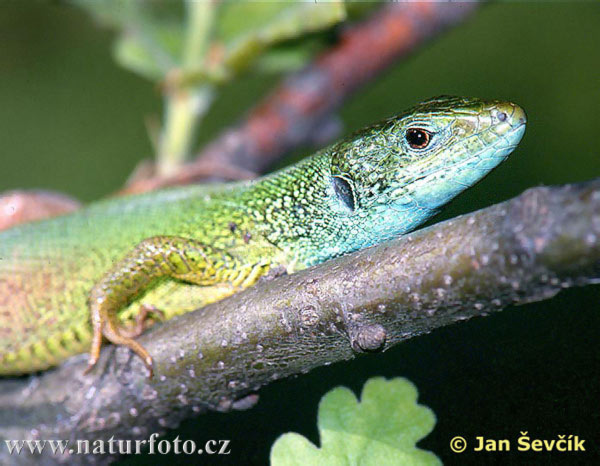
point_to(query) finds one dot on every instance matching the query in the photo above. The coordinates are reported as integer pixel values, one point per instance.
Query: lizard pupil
(343, 191)
(418, 138)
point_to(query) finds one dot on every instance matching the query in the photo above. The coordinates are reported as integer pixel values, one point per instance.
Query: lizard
(70, 281)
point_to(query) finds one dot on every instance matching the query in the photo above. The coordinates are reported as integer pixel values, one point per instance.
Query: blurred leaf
(119, 13)
(131, 54)
(247, 28)
(356, 10)
(107, 12)
(283, 60)
(382, 428)
(151, 53)
(288, 57)
(151, 33)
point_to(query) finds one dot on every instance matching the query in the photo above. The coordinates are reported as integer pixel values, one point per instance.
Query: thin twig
(185, 107)
(304, 102)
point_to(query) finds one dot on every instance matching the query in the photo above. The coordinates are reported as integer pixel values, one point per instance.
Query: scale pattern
(367, 188)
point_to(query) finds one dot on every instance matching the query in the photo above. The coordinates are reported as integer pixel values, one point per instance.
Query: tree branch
(522, 250)
(21, 206)
(303, 104)
(299, 111)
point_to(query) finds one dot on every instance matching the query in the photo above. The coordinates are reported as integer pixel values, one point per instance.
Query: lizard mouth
(434, 188)
(492, 154)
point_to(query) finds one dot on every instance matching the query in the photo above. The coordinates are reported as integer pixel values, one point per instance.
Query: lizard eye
(343, 190)
(418, 138)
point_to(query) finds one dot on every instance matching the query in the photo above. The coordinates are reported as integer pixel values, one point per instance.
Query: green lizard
(67, 282)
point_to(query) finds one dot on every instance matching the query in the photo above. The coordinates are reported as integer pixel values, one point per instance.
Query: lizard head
(396, 174)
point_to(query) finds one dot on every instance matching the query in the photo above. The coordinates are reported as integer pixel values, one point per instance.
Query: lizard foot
(147, 311)
(117, 335)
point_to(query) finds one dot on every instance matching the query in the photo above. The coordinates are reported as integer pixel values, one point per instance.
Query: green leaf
(130, 53)
(382, 428)
(246, 29)
(287, 57)
(154, 34)
(107, 12)
(149, 51)
(151, 33)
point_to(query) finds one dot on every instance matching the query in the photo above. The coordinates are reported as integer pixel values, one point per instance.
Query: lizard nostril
(507, 112)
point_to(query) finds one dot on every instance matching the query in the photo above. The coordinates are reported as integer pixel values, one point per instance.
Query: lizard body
(181, 248)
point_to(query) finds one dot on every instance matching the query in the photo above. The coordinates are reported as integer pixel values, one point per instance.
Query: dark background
(71, 120)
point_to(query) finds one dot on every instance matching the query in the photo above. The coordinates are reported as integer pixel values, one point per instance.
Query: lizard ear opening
(344, 192)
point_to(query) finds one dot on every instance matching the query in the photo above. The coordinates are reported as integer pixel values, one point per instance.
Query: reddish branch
(304, 102)
(297, 110)
(26, 206)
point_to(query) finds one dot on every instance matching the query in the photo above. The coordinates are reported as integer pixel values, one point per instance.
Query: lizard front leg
(153, 258)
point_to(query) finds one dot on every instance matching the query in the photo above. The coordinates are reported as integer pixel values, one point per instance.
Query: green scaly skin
(182, 248)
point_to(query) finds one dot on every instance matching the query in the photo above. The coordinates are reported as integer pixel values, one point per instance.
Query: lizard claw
(148, 364)
(89, 367)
